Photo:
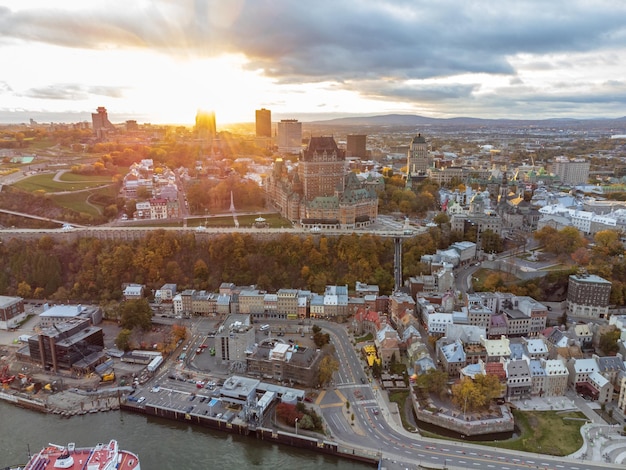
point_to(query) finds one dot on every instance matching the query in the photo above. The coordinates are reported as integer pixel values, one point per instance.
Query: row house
(387, 342)
(166, 293)
(535, 348)
(270, 303)
(336, 301)
(399, 304)
(557, 376)
(287, 303)
(497, 326)
(585, 377)
(536, 311)
(584, 336)
(538, 377)
(192, 302)
(158, 209)
(317, 306)
(497, 349)
(610, 367)
(621, 402)
(203, 303)
(437, 323)
(479, 315)
(451, 357)
(251, 302)
(363, 290)
(518, 379)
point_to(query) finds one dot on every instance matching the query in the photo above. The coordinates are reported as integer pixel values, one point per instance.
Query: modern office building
(418, 159)
(205, 125)
(235, 339)
(100, 123)
(263, 122)
(74, 344)
(588, 296)
(571, 171)
(356, 145)
(289, 138)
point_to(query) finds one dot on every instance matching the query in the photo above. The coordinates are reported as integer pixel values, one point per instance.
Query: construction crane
(5, 377)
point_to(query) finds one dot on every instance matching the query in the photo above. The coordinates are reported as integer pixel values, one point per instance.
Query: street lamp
(296, 426)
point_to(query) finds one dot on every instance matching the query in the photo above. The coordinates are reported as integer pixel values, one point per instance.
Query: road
(377, 427)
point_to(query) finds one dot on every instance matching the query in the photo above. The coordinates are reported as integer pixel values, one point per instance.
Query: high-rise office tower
(289, 136)
(418, 160)
(355, 146)
(263, 123)
(571, 171)
(205, 124)
(100, 122)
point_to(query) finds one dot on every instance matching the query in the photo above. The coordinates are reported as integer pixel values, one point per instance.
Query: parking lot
(173, 391)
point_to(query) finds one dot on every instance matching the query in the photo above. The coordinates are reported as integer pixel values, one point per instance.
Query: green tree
(306, 422)
(491, 242)
(608, 341)
(123, 339)
(136, 314)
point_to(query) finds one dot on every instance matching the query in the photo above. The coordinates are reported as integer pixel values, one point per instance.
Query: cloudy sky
(160, 61)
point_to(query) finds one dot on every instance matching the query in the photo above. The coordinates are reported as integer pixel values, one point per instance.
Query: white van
(264, 327)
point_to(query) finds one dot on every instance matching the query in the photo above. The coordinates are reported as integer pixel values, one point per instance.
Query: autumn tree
(607, 244)
(287, 413)
(24, 290)
(179, 333)
(582, 256)
(472, 395)
(328, 366)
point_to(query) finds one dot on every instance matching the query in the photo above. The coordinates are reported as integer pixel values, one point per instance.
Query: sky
(161, 61)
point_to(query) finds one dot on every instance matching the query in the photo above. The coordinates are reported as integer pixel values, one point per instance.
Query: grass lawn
(545, 432)
(367, 337)
(45, 182)
(78, 201)
(73, 177)
(400, 398)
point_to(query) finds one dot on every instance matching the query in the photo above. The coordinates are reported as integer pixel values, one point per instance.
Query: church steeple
(504, 189)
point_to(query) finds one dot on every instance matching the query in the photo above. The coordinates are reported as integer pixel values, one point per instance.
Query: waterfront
(160, 444)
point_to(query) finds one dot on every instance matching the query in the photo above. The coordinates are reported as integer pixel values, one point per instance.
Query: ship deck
(100, 457)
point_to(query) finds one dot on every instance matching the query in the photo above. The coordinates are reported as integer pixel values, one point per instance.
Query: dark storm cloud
(381, 49)
(294, 40)
(418, 93)
(72, 92)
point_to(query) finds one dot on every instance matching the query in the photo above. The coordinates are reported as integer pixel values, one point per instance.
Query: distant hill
(411, 120)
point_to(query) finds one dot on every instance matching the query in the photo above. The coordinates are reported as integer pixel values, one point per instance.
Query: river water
(160, 444)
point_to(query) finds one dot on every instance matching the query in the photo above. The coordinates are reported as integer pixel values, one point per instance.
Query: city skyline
(162, 61)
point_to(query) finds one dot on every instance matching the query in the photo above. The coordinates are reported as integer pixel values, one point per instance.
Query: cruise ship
(101, 457)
